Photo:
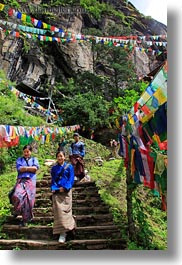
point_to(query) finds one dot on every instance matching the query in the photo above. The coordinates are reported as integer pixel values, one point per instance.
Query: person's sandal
(62, 238)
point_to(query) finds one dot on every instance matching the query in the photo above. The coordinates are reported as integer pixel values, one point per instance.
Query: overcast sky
(157, 9)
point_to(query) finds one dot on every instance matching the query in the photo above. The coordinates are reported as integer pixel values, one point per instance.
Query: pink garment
(23, 198)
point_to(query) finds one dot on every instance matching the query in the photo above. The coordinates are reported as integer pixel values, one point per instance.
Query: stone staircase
(95, 227)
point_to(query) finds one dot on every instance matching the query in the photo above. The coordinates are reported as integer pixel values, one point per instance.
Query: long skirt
(62, 209)
(78, 164)
(23, 198)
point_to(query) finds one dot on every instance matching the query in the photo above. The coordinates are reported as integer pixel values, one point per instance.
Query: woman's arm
(31, 169)
(82, 149)
(54, 177)
(67, 181)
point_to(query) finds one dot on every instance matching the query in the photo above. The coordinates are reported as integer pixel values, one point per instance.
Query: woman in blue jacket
(62, 182)
(77, 153)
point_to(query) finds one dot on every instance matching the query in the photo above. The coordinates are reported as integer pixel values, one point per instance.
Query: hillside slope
(110, 180)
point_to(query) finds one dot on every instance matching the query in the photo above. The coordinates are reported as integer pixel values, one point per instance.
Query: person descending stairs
(95, 227)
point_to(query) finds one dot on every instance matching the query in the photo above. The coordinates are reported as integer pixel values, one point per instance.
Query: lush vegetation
(110, 178)
(89, 97)
(93, 100)
(150, 221)
(12, 109)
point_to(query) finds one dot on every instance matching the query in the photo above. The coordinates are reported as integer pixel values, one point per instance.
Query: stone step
(46, 183)
(76, 210)
(75, 190)
(43, 211)
(87, 244)
(43, 183)
(93, 201)
(81, 220)
(85, 188)
(45, 232)
(80, 196)
(95, 227)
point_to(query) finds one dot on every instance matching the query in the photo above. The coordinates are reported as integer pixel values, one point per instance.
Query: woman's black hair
(57, 153)
(28, 147)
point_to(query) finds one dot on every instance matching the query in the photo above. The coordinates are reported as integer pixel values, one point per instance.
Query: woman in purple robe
(23, 198)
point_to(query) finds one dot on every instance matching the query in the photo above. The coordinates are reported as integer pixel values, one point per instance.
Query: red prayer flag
(145, 109)
(52, 28)
(136, 105)
(10, 12)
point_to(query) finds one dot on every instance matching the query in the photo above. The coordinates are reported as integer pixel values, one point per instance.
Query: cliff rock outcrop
(35, 65)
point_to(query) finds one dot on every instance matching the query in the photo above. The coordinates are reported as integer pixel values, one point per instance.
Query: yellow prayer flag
(59, 131)
(36, 137)
(13, 136)
(147, 117)
(131, 120)
(23, 17)
(1, 7)
(156, 138)
(44, 25)
(160, 96)
(117, 123)
(145, 96)
(14, 91)
(47, 138)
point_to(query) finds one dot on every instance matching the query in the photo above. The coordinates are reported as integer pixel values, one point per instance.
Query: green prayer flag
(28, 19)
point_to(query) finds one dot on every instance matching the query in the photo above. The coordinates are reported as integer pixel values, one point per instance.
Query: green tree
(87, 109)
(121, 67)
(131, 94)
(88, 81)
(65, 90)
(115, 65)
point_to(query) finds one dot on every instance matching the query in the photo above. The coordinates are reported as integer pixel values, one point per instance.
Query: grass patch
(111, 181)
(7, 181)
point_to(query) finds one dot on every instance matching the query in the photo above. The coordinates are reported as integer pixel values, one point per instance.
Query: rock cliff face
(39, 65)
